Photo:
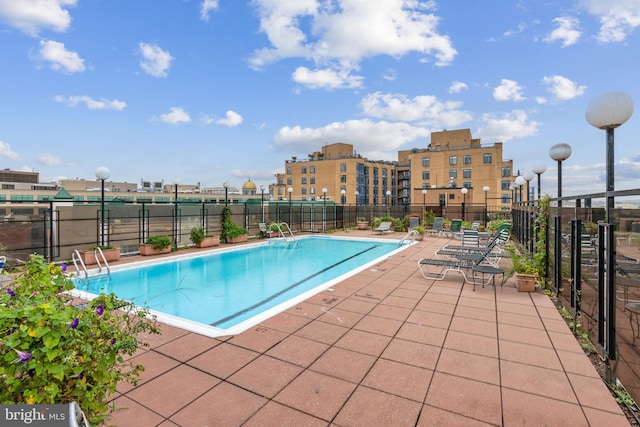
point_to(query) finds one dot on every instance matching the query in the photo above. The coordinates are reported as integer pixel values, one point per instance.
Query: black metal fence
(594, 270)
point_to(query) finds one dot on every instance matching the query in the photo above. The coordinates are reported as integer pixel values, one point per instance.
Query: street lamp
(102, 173)
(226, 193)
(528, 176)
(607, 112)
(290, 191)
(324, 209)
(464, 192)
(560, 153)
(262, 201)
(343, 197)
(343, 200)
(520, 181)
(539, 170)
(175, 181)
(424, 201)
(388, 202)
(486, 210)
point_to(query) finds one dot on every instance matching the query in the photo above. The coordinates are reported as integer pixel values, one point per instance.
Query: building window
(466, 173)
(426, 162)
(453, 160)
(466, 184)
(343, 178)
(289, 181)
(313, 190)
(304, 180)
(453, 173)
(505, 171)
(426, 175)
(312, 180)
(343, 167)
(505, 198)
(304, 190)
(289, 170)
(486, 158)
(312, 169)
(303, 169)
(504, 185)
(466, 159)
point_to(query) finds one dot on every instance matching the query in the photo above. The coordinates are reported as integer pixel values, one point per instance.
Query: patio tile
(400, 301)
(469, 398)
(297, 350)
(475, 326)
(154, 363)
(412, 353)
(258, 376)
(363, 342)
(367, 407)
(344, 364)
(316, 394)
(275, 414)
(468, 365)
(471, 343)
(523, 409)
(408, 293)
(564, 341)
(590, 391)
(129, 410)
(306, 309)
(167, 334)
(543, 357)
(187, 346)
(435, 297)
(183, 384)
(430, 319)
(224, 405)
(576, 363)
(390, 312)
(603, 418)
(378, 325)
(357, 305)
(340, 317)
(536, 380)
(431, 416)
(285, 322)
(476, 313)
(537, 337)
(520, 320)
(403, 380)
(436, 307)
(223, 360)
(258, 339)
(422, 334)
(322, 332)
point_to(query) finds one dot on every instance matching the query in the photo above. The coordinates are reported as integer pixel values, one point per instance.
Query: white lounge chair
(383, 227)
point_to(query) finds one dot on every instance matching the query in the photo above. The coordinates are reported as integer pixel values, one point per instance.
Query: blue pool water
(226, 288)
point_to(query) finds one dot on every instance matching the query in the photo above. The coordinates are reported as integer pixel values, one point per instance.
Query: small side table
(487, 269)
(634, 310)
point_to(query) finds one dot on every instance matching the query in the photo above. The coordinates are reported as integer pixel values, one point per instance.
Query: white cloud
(32, 16)
(376, 140)
(508, 90)
(50, 160)
(618, 18)
(59, 58)
(92, 104)
(390, 75)
(568, 31)
(338, 35)
(6, 151)
(327, 79)
(562, 88)
(521, 27)
(232, 119)
(426, 110)
(206, 7)
(155, 61)
(456, 87)
(175, 116)
(507, 127)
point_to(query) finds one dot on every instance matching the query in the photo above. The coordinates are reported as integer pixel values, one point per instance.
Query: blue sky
(220, 90)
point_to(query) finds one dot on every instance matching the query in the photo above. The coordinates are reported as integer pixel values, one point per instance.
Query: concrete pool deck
(384, 347)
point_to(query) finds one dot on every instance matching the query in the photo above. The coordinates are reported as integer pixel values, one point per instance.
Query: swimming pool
(227, 291)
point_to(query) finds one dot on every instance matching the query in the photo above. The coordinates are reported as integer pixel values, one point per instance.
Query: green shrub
(229, 228)
(53, 352)
(198, 234)
(159, 242)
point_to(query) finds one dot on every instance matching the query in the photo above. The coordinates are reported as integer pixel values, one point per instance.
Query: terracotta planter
(238, 239)
(525, 282)
(89, 257)
(362, 225)
(147, 250)
(208, 242)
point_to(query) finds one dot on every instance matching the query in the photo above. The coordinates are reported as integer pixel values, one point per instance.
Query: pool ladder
(412, 234)
(282, 235)
(100, 259)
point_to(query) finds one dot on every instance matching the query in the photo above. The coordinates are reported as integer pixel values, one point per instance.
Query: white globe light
(560, 152)
(528, 175)
(539, 169)
(464, 190)
(103, 173)
(520, 180)
(610, 110)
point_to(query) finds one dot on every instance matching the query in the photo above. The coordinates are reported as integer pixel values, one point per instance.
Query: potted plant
(203, 240)
(156, 245)
(362, 223)
(110, 253)
(525, 270)
(232, 232)
(446, 224)
(420, 230)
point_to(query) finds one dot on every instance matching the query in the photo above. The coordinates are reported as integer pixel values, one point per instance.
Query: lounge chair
(437, 226)
(3, 261)
(264, 231)
(470, 238)
(383, 227)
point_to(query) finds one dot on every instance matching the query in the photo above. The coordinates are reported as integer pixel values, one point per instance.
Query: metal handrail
(75, 257)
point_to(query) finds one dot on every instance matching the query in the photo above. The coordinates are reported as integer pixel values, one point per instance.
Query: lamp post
(290, 192)
(357, 194)
(175, 182)
(521, 182)
(464, 192)
(560, 153)
(528, 176)
(343, 201)
(262, 201)
(226, 193)
(424, 202)
(607, 112)
(324, 209)
(102, 173)
(539, 170)
(388, 202)
(486, 210)
(512, 188)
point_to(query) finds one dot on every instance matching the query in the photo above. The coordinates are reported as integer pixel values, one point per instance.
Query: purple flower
(79, 376)
(112, 340)
(19, 261)
(74, 323)
(99, 310)
(10, 292)
(23, 356)
(63, 266)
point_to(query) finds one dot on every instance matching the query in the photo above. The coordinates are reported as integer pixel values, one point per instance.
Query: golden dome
(249, 187)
